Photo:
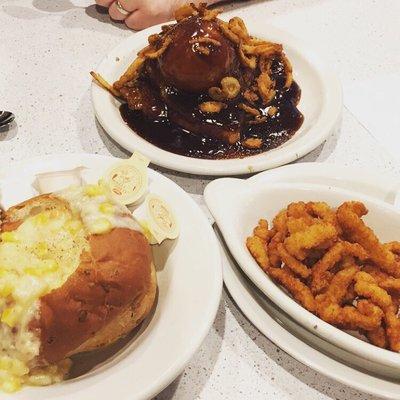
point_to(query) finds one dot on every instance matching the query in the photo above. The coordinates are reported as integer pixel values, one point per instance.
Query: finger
(115, 14)
(104, 3)
(140, 19)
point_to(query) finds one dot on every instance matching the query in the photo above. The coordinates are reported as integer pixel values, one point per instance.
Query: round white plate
(306, 347)
(189, 290)
(321, 105)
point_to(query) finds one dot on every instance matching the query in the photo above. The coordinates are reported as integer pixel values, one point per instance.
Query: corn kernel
(5, 289)
(9, 237)
(73, 226)
(45, 267)
(101, 225)
(14, 366)
(94, 190)
(12, 384)
(106, 208)
(42, 218)
(41, 249)
(10, 316)
(3, 272)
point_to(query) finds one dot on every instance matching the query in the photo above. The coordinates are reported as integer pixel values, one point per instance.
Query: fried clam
(365, 315)
(323, 258)
(349, 216)
(317, 236)
(295, 286)
(321, 275)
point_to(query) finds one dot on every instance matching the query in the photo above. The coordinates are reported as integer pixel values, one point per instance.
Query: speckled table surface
(47, 48)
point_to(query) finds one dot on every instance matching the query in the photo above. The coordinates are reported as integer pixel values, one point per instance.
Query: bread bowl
(76, 274)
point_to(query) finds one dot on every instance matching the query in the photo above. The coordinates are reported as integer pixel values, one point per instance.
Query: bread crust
(113, 277)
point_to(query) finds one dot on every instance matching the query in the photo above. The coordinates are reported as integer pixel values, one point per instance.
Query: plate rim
(327, 120)
(179, 364)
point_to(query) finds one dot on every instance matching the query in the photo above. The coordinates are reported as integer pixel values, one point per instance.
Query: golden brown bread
(112, 290)
(114, 276)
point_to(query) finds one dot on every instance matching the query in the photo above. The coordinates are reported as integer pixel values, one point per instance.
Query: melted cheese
(98, 210)
(36, 258)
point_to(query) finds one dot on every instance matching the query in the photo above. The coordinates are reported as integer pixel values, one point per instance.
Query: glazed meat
(198, 57)
(207, 88)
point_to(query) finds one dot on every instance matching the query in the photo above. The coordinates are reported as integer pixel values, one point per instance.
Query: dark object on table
(6, 117)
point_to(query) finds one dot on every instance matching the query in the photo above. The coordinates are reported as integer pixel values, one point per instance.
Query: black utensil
(6, 117)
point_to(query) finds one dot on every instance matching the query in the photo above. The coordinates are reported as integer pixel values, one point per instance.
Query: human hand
(141, 14)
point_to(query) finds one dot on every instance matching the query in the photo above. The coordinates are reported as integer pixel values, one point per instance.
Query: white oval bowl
(237, 205)
(321, 104)
(189, 279)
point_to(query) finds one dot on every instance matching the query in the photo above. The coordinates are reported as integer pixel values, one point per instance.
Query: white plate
(189, 290)
(272, 322)
(249, 201)
(321, 105)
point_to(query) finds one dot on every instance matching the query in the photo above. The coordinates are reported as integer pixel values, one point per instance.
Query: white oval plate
(321, 105)
(237, 205)
(272, 322)
(189, 290)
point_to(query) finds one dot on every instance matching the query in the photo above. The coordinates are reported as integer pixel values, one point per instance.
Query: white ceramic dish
(276, 325)
(250, 201)
(321, 105)
(189, 290)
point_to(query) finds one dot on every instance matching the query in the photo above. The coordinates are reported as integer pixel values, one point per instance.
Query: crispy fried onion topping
(212, 106)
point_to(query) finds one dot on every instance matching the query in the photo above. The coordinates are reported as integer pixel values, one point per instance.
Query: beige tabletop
(48, 47)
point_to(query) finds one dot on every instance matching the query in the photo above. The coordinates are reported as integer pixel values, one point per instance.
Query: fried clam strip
(185, 11)
(257, 244)
(297, 210)
(292, 263)
(266, 49)
(321, 275)
(237, 26)
(258, 249)
(321, 210)
(299, 224)
(378, 337)
(295, 287)
(366, 286)
(366, 315)
(280, 221)
(228, 33)
(266, 87)
(262, 231)
(349, 216)
(317, 236)
(210, 15)
(152, 53)
(130, 74)
(393, 247)
(104, 84)
(248, 61)
(274, 257)
(393, 327)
